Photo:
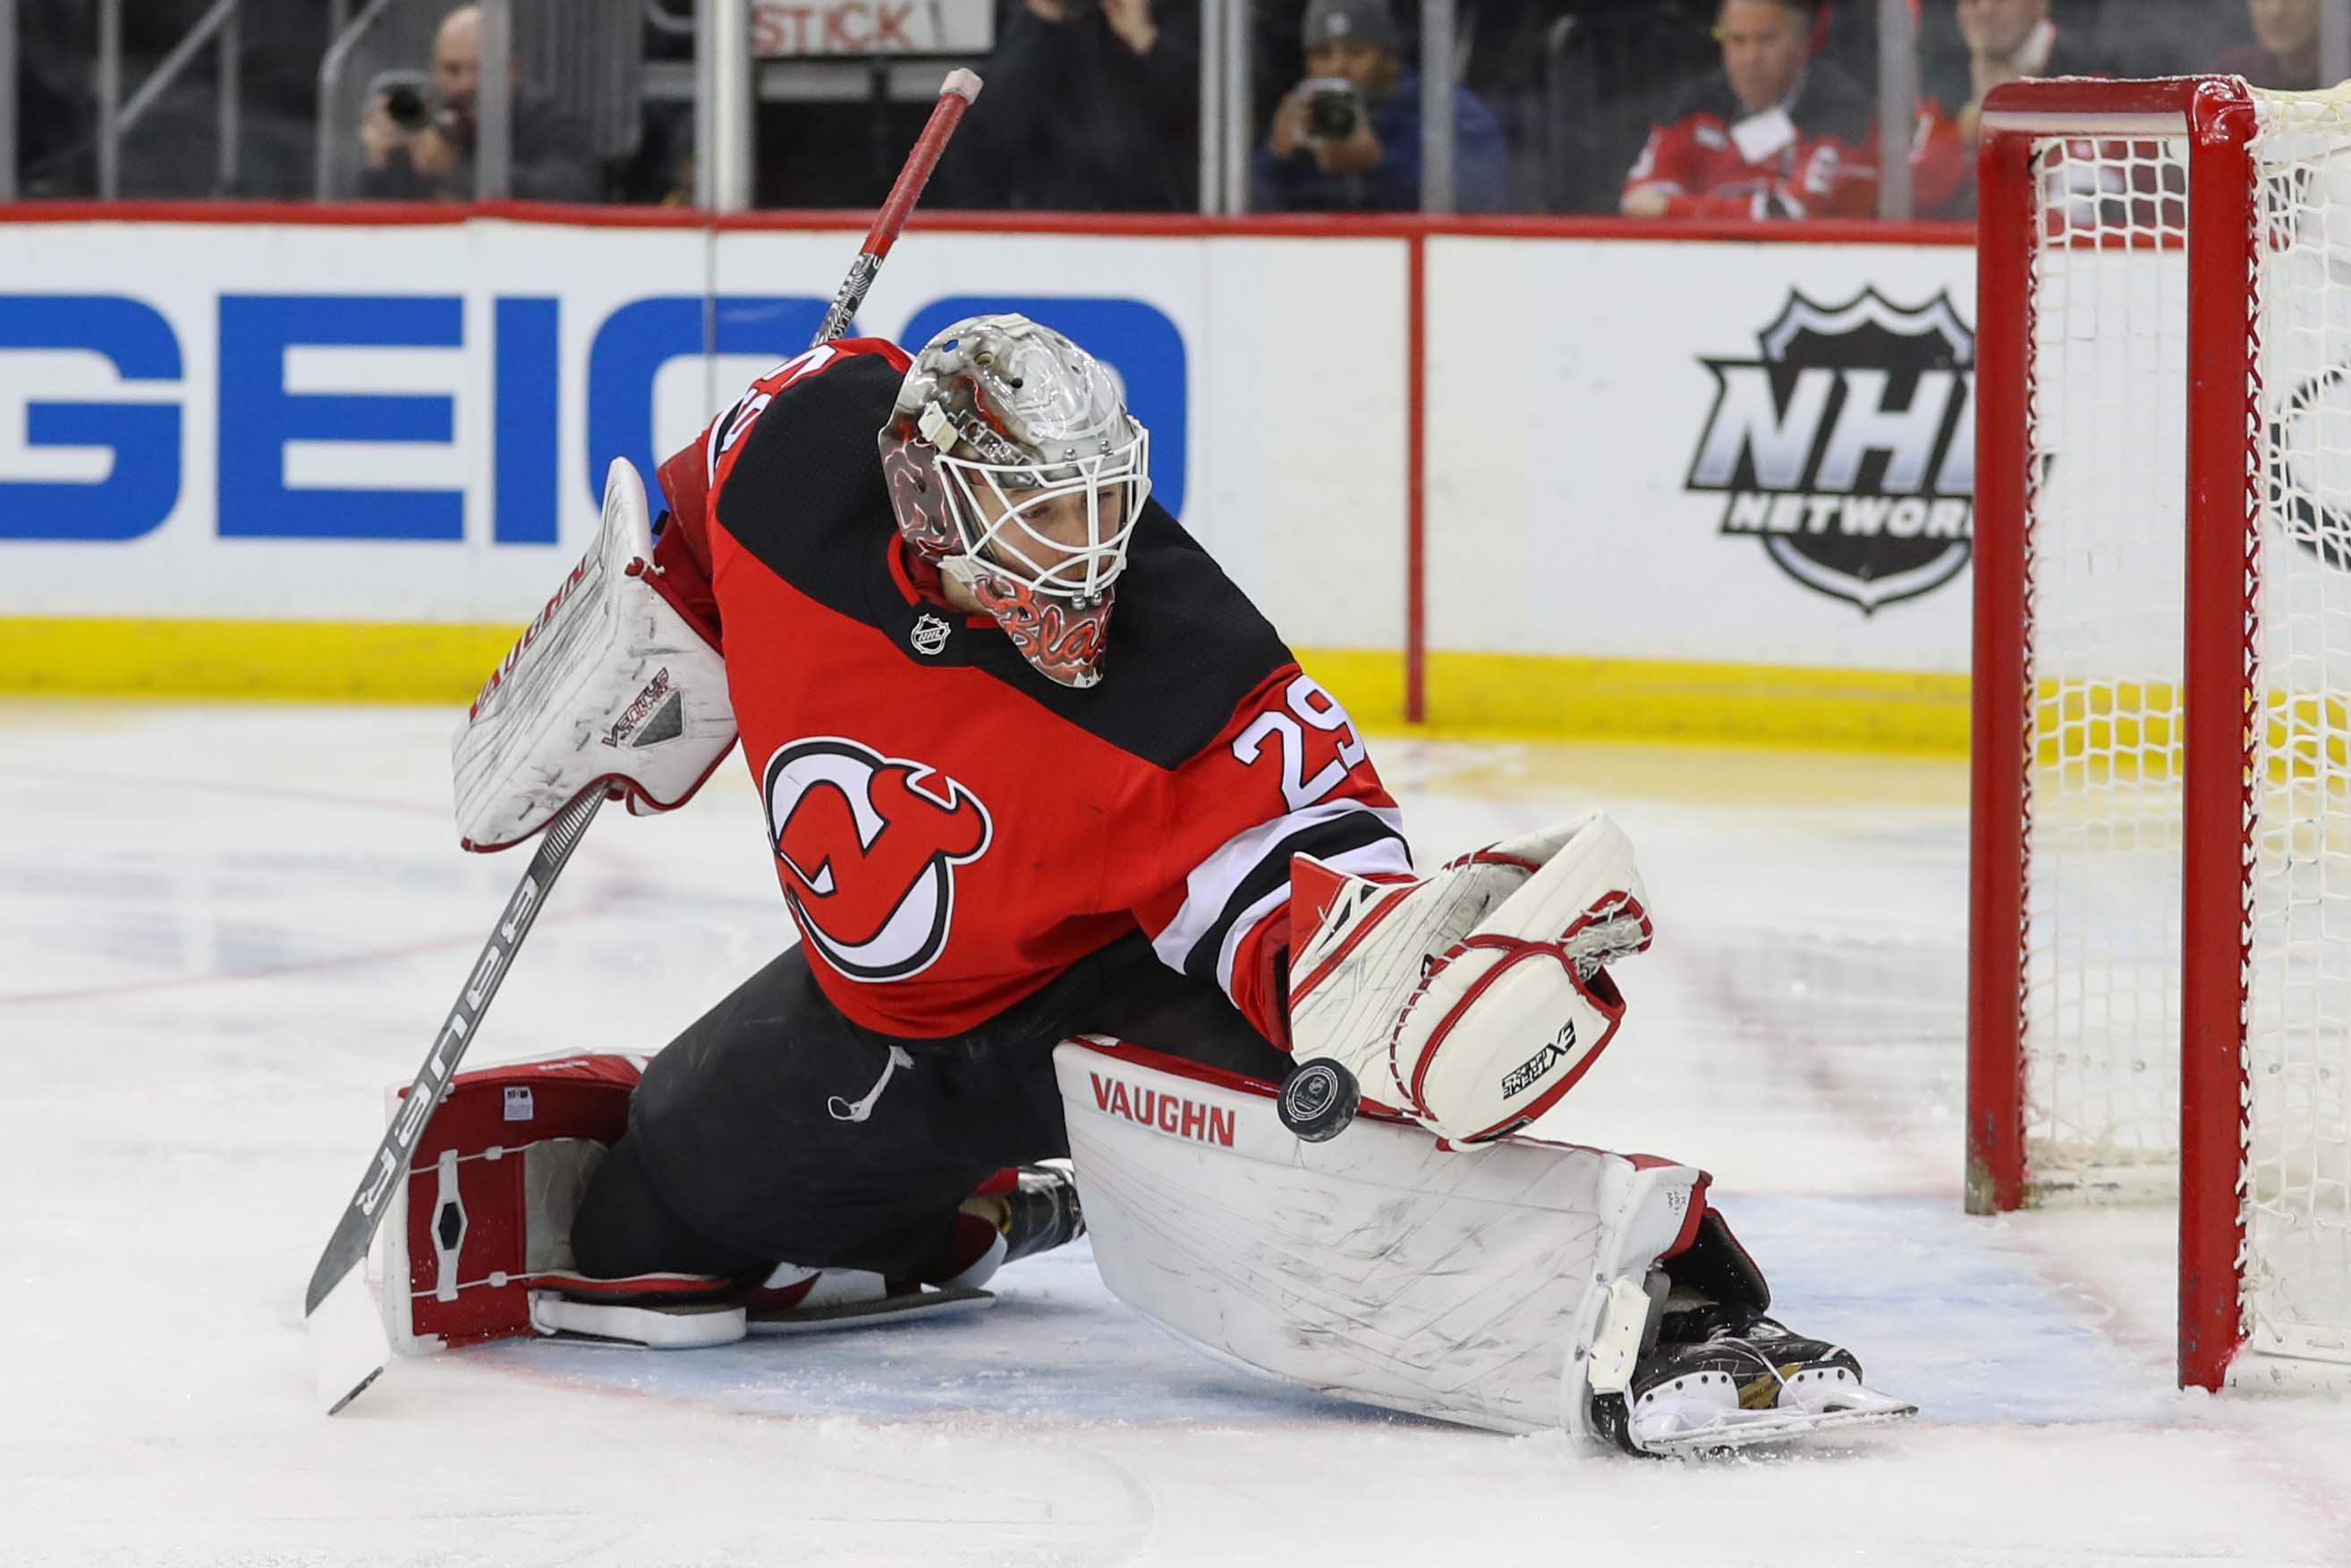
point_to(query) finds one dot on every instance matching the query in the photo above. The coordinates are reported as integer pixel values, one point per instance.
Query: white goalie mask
(1014, 467)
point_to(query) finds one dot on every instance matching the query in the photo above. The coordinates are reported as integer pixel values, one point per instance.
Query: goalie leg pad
(479, 1236)
(479, 1239)
(1499, 1287)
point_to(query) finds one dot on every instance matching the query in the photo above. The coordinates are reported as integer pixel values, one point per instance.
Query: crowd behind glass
(1658, 109)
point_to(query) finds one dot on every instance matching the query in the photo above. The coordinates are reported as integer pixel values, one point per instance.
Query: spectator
(2285, 50)
(1091, 106)
(1777, 133)
(421, 144)
(2005, 40)
(1347, 138)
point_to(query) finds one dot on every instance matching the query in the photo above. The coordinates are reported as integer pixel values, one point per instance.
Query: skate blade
(940, 1302)
(1737, 1430)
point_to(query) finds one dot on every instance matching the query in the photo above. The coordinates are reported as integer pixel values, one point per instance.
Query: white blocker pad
(1500, 1285)
(611, 687)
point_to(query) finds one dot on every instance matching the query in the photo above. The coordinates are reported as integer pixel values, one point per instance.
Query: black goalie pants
(774, 1129)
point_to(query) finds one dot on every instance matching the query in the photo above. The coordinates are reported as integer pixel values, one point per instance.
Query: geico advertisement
(413, 422)
(1776, 440)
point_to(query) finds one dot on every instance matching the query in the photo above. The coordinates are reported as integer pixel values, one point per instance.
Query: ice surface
(223, 931)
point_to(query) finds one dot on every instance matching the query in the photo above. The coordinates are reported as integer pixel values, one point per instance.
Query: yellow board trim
(300, 661)
(1548, 698)
(1470, 696)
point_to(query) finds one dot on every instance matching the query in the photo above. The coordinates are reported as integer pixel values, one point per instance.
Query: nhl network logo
(929, 635)
(1848, 447)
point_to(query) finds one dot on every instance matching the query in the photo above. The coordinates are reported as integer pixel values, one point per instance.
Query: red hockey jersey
(1826, 170)
(952, 830)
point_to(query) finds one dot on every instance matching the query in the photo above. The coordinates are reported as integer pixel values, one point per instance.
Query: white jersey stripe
(1386, 855)
(1213, 881)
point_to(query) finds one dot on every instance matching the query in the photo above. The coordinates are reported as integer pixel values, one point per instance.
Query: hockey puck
(1318, 1100)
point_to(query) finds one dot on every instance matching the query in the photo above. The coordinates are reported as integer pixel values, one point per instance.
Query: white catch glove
(611, 687)
(1475, 997)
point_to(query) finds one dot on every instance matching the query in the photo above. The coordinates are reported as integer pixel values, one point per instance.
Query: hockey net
(2161, 905)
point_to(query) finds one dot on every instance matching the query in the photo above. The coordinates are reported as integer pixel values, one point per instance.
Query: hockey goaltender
(1076, 886)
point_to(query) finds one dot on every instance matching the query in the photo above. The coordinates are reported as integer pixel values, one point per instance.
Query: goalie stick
(349, 1348)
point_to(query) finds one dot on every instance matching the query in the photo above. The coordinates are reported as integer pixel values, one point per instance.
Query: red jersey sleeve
(682, 551)
(692, 478)
(1288, 776)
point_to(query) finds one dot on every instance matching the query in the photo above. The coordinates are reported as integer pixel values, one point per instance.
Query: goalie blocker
(617, 685)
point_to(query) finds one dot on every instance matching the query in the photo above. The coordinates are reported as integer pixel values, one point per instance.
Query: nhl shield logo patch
(1846, 446)
(929, 635)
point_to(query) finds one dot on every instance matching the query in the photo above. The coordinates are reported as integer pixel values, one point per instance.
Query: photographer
(418, 136)
(1347, 138)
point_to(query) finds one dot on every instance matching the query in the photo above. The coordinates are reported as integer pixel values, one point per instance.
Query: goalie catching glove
(616, 686)
(1475, 997)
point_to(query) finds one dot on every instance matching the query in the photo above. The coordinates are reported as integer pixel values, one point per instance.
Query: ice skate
(1730, 1377)
(1023, 1212)
(1038, 1213)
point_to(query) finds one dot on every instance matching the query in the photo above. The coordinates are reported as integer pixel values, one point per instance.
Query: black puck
(1318, 1100)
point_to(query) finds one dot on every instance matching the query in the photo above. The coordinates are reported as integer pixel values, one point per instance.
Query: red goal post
(2161, 882)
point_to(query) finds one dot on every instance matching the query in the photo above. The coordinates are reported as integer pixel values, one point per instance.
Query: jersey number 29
(1314, 708)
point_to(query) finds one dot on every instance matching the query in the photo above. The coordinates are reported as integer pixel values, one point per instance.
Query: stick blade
(348, 1345)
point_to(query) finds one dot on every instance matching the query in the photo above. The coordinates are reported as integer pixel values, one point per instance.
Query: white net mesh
(2297, 1291)
(2101, 944)
(2108, 417)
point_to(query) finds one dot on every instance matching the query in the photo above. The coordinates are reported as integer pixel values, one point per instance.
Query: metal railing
(116, 117)
(1897, 104)
(1439, 71)
(723, 105)
(7, 101)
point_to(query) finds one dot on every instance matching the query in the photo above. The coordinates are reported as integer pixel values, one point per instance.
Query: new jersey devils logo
(869, 845)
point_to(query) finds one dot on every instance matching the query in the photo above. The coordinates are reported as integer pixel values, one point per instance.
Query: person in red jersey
(1031, 768)
(1776, 133)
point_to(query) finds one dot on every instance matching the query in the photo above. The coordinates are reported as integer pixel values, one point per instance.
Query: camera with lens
(407, 98)
(1334, 107)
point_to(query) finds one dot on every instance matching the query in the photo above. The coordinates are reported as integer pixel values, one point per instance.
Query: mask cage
(1009, 542)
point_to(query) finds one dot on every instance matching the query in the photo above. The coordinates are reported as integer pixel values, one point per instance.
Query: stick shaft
(357, 1229)
(961, 87)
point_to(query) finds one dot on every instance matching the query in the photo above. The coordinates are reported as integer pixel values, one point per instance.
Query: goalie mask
(1013, 467)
